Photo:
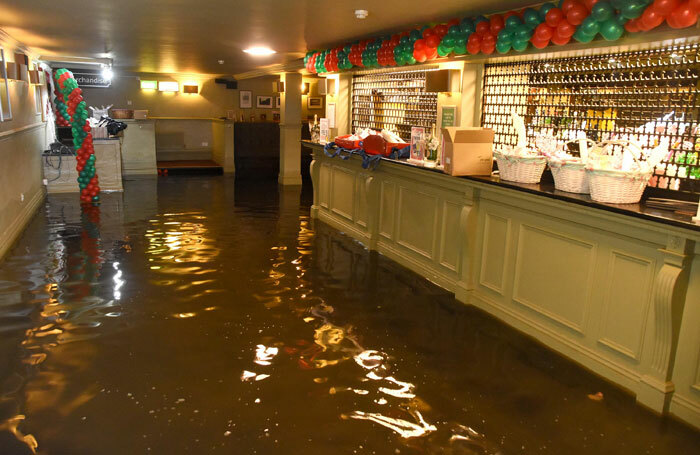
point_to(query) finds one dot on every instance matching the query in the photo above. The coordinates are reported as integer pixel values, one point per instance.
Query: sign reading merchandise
(324, 130)
(87, 79)
(417, 133)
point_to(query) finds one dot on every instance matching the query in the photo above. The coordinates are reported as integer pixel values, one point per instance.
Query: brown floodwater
(194, 314)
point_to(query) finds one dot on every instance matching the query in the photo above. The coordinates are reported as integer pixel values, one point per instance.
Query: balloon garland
(550, 24)
(76, 113)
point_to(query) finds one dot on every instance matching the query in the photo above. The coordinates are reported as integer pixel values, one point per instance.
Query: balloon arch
(550, 24)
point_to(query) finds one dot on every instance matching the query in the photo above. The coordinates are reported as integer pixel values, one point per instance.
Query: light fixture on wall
(149, 85)
(107, 73)
(259, 51)
(305, 88)
(190, 88)
(168, 86)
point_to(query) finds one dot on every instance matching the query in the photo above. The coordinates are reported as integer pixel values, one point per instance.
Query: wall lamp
(168, 86)
(305, 88)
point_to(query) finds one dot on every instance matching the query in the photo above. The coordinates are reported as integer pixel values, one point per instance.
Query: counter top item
(546, 189)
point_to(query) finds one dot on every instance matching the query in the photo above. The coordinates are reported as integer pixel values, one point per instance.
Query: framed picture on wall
(264, 102)
(278, 102)
(314, 102)
(5, 106)
(246, 99)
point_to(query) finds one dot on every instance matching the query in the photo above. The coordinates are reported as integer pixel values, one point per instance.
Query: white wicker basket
(521, 169)
(569, 176)
(618, 187)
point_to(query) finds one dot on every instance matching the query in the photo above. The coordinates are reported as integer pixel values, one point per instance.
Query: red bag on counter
(376, 145)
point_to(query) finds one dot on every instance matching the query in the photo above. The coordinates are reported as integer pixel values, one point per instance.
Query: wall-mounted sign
(88, 79)
(449, 114)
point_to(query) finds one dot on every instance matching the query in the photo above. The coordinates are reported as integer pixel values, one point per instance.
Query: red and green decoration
(73, 109)
(550, 24)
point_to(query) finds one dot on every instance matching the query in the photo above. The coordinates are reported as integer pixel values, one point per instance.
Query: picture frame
(245, 99)
(5, 102)
(314, 102)
(264, 102)
(278, 102)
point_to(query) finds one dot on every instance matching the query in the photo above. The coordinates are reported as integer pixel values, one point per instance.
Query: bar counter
(615, 288)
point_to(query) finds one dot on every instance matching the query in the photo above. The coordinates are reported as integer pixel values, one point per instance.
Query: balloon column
(77, 114)
(582, 20)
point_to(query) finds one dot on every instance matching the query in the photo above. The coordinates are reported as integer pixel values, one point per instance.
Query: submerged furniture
(61, 174)
(615, 288)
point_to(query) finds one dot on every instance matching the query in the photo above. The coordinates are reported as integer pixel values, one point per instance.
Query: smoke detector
(361, 13)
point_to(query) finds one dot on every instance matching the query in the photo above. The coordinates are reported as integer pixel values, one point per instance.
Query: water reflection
(217, 319)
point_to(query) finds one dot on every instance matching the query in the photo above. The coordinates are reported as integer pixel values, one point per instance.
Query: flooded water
(197, 315)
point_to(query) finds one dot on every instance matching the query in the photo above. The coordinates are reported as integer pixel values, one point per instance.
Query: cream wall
(22, 139)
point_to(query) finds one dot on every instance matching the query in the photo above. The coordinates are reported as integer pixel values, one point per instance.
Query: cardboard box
(12, 70)
(467, 151)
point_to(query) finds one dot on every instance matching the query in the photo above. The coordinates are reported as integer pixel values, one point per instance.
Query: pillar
(290, 130)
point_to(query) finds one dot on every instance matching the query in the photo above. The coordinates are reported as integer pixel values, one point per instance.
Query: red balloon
(431, 53)
(433, 41)
(473, 47)
(567, 5)
(543, 32)
(483, 28)
(488, 49)
(538, 43)
(441, 30)
(682, 17)
(589, 4)
(453, 22)
(496, 24)
(508, 14)
(419, 55)
(632, 26)
(695, 5)
(428, 32)
(419, 45)
(474, 39)
(565, 29)
(560, 40)
(576, 14)
(665, 7)
(488, 40)
(650, 19)
(553, 17)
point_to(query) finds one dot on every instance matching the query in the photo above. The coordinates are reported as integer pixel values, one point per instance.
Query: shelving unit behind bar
(393, 100)
(645, 95)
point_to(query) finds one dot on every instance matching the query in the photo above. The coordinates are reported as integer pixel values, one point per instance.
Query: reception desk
(614, 288)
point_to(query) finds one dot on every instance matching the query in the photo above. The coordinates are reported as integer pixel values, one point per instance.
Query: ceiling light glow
(259, 51)
(107, 73)
(149, 85)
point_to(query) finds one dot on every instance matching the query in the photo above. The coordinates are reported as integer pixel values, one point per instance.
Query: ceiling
(178, 36)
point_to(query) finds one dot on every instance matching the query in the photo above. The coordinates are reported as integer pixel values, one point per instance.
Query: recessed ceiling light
(221, 62)
(259, 51)
(361, 13)
(107, 73)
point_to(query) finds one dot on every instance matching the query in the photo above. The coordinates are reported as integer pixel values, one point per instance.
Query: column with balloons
(82, 138)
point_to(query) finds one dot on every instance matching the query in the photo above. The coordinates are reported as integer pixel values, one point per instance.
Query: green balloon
(502, 47)
(513, 21)
(583, 37)
(442, 50)
(544, 9)
(531, 18)
(505, 36)
(589, 26)
(520, 45)
(522, 33)
(448, 41)
(460, 49)
(611, 29)
(602, 11)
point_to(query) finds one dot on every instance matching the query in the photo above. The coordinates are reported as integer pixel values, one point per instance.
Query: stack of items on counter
(372, 142)
(613, 171)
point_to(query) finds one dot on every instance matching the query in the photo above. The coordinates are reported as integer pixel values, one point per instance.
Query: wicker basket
(618, 187)
(121, 113)
(570, 176)
(521, 169)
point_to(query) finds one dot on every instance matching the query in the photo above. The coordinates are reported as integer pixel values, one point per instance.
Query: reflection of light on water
(249, 376)
(11, 425)
(180, 240)
(369, 359)
(185, 315)
(404, 428)
(263, 354)
(118, 282)
(404, 391)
